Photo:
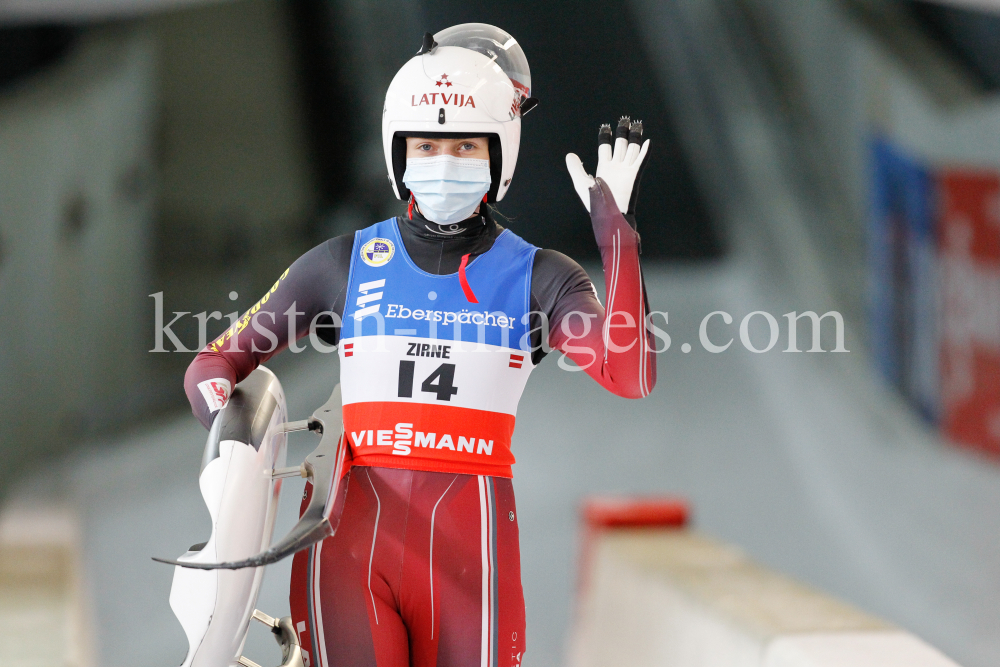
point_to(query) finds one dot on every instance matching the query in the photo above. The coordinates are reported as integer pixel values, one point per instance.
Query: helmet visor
(495, 44)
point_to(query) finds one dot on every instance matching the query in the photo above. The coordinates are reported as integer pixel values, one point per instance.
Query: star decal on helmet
(443, 81)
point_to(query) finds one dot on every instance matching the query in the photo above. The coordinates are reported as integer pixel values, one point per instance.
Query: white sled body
(244, 447)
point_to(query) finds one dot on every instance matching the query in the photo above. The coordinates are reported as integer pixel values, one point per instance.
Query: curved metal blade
(323, 466)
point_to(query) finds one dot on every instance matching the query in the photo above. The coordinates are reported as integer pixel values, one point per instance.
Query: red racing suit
(424, 568)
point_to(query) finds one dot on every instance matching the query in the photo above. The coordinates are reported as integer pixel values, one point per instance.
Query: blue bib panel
(431, 379)
(411, 301)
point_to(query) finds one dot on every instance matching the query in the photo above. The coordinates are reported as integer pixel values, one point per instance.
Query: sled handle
(322, 467)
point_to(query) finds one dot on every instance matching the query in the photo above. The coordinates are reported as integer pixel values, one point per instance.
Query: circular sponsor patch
(377, 252)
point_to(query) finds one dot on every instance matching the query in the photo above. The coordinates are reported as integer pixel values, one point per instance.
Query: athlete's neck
(438, 248)
(471, 226)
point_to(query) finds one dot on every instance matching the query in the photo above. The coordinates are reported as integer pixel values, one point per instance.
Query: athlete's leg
(461, 596)
(442, 549)
(510, 623)
(343, 591)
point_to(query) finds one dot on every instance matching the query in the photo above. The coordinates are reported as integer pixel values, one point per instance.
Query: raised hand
(619, 167)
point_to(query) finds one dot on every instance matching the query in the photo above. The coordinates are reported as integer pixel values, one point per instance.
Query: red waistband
(435, 438)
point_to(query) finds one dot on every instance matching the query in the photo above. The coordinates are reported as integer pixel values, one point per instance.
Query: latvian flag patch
(348, 349)
(516, 360)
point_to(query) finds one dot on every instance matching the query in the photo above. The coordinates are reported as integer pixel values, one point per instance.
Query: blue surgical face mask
(448, 189)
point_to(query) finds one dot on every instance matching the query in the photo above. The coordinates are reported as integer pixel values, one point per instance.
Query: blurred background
(170, 158)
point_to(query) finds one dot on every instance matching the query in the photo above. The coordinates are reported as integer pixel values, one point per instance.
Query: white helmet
(470, 80)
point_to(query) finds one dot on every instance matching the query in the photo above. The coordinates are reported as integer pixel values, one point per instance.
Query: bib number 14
(441, 382)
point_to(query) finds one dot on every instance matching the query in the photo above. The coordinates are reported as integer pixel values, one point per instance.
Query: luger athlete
(444, 316)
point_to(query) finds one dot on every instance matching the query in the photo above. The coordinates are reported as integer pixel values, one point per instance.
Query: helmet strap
(496, 166)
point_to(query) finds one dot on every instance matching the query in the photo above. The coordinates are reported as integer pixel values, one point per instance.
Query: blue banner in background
(903, 275)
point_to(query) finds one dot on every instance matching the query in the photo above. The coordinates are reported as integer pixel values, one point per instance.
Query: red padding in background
(601, 513)
(635, 512)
